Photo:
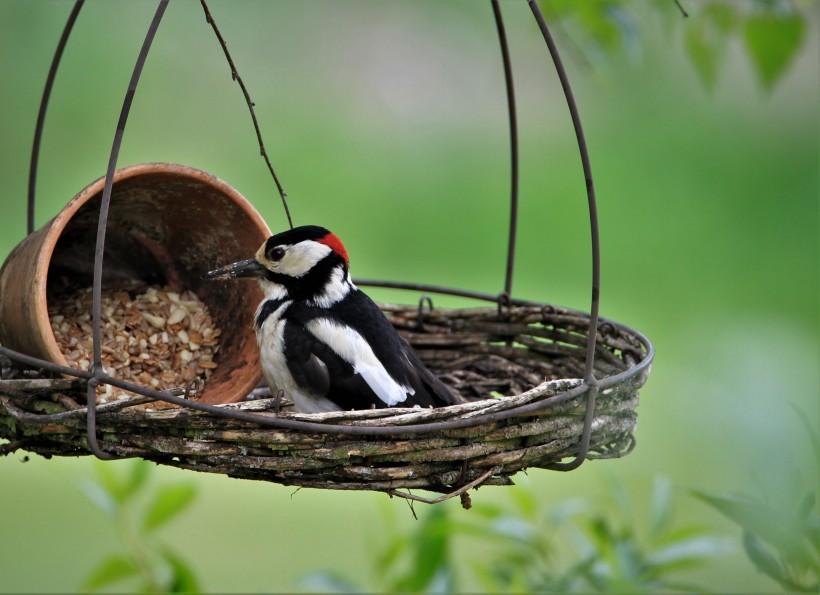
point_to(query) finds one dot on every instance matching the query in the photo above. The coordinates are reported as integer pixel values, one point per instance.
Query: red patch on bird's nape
(335, 244)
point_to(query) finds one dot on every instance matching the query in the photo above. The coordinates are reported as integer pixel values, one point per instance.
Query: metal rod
(35, 362)
(96, 295)
(589, 377)
(590, 187)
(41, 114)
(586, 433)
(466, 293)
(509, 85)
(91, 422)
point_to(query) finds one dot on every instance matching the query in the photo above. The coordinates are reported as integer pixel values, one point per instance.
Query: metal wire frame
(41, 115)
(590, 386)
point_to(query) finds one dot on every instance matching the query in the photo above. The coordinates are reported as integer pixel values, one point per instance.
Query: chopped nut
(158, 338)
(178, 314)
(155, 321)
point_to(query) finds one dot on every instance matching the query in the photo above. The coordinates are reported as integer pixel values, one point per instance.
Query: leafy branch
(781, 535)
(148, 564)
(575, 547)
(770, 32)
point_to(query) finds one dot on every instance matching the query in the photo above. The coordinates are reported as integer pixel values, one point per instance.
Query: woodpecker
(321, 340)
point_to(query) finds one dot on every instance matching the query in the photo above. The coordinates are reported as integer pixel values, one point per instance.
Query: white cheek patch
(300, 258)
(351, 347)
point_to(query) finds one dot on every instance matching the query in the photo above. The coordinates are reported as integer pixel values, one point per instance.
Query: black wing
(320, 368)
(321, 371)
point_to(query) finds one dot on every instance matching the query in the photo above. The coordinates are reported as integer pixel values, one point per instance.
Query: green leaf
(430, 551)
(806, 506)
(814, 435)
(683, 533)
(706, 38)
(764, 561)
(525, 500)
(111, 570)
(169, 501)
(138, 475)
(99, 496)
(563, 511)
(660, 506)
(779, 530)
(391, 554)
(326, 582)
(689, 552)
(772, 41)
(183, 579)
(618, 495)
(110, 480)
(120, 485)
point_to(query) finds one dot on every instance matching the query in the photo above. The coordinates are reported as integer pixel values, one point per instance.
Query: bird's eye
(277, 253)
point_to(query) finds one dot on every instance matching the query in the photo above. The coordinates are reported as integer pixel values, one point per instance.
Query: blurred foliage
(781, 532)
(577, 547)
(146, 564)
(772, 31)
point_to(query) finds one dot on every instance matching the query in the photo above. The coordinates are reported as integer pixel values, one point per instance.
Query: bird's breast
(270, 329)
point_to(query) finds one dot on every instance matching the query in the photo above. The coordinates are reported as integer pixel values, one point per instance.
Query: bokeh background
(387, 123)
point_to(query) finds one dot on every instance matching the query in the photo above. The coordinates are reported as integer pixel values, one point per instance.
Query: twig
(40, 384)
(476, 482)
(235, 76)
(7, 449)
(46, 418)
(682, 10)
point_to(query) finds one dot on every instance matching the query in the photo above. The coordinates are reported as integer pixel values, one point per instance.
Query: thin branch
(682, 10)
(39, 384)
(235, 76)
(79, 412)
(475, 483)
(7, 449)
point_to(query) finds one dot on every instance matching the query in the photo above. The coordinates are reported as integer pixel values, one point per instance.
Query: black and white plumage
(321, 340)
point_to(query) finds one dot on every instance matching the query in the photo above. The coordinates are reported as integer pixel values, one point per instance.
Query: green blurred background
(387, 123)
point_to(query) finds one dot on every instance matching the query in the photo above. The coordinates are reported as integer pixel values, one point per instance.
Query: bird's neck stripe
(267, 308)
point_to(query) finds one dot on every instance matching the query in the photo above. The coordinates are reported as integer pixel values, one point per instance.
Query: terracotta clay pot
(167, 225)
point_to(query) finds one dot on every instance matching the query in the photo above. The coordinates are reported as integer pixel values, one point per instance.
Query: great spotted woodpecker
(321, 340)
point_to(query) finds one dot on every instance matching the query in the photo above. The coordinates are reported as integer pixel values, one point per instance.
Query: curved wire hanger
(95, 375)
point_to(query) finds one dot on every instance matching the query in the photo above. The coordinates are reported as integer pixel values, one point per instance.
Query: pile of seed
(151, 336)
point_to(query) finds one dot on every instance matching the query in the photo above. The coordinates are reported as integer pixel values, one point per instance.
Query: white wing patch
(352, 348)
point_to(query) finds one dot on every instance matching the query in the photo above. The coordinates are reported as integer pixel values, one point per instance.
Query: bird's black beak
(244, 268)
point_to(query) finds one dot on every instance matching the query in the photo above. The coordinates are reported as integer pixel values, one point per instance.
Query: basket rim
(248, 411)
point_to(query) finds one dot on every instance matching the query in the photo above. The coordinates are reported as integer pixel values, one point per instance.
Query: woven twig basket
(540, 348)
